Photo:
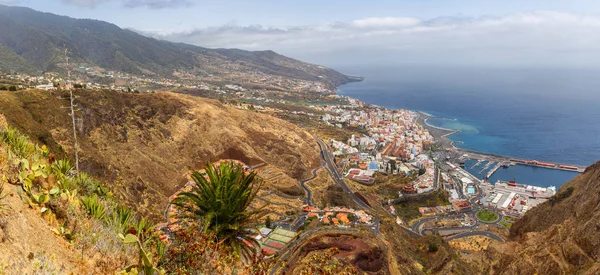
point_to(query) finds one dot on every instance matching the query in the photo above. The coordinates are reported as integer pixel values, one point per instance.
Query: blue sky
(181, 14)
(350, 32)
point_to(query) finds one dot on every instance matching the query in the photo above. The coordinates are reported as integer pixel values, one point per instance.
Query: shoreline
(441, 135)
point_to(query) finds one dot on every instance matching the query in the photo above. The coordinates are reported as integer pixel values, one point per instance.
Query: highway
(339, 179)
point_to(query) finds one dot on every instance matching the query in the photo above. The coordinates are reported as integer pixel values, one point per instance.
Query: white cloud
(153, 4)
(532, 38)
(385, 22)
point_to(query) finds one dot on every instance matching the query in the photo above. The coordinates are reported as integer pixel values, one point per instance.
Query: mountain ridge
(39, 38)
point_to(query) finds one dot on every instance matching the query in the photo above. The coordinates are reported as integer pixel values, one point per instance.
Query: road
(308, 198)
(339, 179)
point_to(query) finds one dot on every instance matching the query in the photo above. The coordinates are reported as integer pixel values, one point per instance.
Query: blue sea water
(543, 114)
(523, 174)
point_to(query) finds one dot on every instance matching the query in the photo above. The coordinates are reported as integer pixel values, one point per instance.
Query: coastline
(439, 133)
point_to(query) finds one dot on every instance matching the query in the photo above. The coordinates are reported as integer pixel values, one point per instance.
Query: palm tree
(219, 202)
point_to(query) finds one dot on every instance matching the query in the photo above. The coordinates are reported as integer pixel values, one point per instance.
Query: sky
(536, 33)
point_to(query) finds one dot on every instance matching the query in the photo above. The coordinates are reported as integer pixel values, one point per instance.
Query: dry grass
(145, 143)
(473, 243)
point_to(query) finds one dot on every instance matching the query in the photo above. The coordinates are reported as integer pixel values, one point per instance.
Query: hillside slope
(37, 40)
(144, 144)
(561, 236)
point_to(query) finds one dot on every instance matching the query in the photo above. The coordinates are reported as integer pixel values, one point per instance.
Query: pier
(491, 172)
(487, 165)
(477, 164)
(509, 161)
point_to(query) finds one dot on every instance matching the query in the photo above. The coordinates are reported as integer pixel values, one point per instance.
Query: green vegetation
(432, 247)
(325, 263)
(408, 207)
(561, 195)
(193, 252)
(268, 222)
(508, 218)
(91, 222)
(19, 145)
(506, 224)
(145, 262)
(487, 216)
(220, 203)
(37, 37)
(94, 207)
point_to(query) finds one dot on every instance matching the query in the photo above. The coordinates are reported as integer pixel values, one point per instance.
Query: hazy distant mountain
(35, 41)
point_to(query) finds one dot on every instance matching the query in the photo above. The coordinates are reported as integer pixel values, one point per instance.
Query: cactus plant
(145, 261)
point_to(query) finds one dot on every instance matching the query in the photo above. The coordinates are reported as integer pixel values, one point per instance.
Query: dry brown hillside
(561, 236)
(144, 144)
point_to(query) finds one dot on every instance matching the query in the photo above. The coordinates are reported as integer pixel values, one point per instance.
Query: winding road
(339, 179)
(308, 198)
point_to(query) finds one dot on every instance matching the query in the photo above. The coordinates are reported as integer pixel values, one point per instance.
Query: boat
(512, 183)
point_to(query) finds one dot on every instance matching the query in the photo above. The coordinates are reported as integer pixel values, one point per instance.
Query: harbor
(494, 167)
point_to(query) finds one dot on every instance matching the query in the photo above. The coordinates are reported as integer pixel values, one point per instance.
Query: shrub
(325, 262)
(562, 195)
(88, 185)
(432, 247)
(192, 252)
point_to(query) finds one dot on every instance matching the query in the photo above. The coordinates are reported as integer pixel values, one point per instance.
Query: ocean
(532, 113)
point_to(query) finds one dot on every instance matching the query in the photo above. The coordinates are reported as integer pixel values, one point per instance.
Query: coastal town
(382, 142)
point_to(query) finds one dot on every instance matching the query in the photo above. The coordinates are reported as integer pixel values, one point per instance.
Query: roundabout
(487, 216)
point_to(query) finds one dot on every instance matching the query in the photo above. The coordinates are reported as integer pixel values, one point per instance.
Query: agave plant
(122, 217)
(18, 144)
(94, 207)
(62, 167)
(220, 203)
(87, 184)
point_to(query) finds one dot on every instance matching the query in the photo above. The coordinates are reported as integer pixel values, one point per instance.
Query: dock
(491, 172)
(477, 163)
(509, 161)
